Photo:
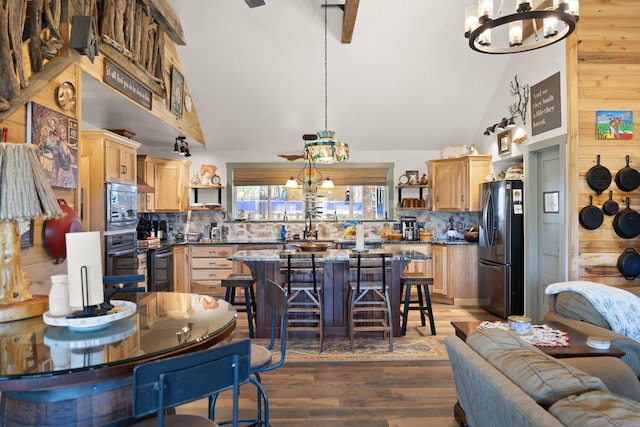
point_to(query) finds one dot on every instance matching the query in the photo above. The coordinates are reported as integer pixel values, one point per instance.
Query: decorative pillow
(574, 306)
(596, 409)
(542, 377)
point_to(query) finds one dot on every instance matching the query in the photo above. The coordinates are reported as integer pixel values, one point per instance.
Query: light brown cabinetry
(142, 269)
(170, 185)
(209, 265)
(99, 164)
(181, 269)
(455, 274)
(456, 182)
(147, 174)
(120, 162)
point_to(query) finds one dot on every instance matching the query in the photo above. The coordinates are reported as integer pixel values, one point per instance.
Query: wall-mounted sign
(546, 109)
(127, 85)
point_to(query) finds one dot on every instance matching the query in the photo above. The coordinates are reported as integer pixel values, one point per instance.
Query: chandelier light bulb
(485, 10)
(515, 33)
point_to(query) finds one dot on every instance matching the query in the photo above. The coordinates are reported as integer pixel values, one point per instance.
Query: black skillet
(627, 178)
(590, 216)
(626, 223)
(598, 177)
(629, 264)
(610, 207)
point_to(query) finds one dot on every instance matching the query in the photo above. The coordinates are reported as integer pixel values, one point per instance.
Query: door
(548, 224)
(494, 221)
(493, 288)
(546, 249)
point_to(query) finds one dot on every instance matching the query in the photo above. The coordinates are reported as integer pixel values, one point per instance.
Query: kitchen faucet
(308, 229)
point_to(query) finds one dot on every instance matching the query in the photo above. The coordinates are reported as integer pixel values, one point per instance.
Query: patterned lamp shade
(326, 149)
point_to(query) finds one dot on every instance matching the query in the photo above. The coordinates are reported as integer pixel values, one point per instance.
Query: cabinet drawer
(211, 251)
(208, 287)
(206, 263)
(209, 274)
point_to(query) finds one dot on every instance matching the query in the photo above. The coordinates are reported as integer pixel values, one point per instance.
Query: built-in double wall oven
(121, 242)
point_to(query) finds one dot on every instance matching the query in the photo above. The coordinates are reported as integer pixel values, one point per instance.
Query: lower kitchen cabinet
(455, 274)
(209, 265)
(181, 269)
(142, 269)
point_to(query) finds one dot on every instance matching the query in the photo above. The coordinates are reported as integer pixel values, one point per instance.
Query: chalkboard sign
(546, 109)
(125, 84)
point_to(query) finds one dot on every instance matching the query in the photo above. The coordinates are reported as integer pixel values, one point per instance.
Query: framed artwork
(504, 142)
(614, 124)
(56, 138)
(413, 177)
(177, 91)
(551, 201)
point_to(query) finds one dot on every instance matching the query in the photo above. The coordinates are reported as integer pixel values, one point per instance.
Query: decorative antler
(520, 106)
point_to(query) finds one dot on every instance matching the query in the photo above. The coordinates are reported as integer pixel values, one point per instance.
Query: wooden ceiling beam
(164, 14)
(349, 20)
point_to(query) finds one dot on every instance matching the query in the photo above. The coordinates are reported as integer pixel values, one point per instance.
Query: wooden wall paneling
(603, 65)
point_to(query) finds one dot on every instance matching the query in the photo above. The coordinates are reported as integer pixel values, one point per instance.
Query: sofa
(501, 380)
(575, 311)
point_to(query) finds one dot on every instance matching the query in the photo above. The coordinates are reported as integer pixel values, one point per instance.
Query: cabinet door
(181, 270)
(476, 169)
(168, 189)
(440, 271)
(447, 185)
(120, 163)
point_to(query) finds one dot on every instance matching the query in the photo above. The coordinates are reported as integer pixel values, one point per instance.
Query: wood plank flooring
(373, 394)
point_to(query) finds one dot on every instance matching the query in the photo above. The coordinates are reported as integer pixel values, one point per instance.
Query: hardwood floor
(393, 394)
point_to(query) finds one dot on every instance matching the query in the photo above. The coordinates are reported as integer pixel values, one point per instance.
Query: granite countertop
(335, 255)
(273, 241)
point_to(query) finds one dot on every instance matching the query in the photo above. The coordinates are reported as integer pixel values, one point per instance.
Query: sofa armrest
(614, 373)
(487, 396)
(626, 344)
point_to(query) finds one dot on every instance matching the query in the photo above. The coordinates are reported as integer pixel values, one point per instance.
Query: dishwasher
(160, 269)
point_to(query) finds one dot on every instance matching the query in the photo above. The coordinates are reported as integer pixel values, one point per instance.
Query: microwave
(121, 206)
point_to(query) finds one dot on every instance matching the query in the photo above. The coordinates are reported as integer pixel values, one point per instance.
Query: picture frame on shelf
(413, 177)
(504, 143)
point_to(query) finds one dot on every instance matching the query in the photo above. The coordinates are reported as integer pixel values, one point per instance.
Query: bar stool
(423, 303)
(244, 281)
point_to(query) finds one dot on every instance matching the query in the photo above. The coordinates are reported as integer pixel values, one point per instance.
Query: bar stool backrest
(371, 265)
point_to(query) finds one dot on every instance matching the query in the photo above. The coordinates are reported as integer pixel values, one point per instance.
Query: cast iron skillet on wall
(591, 216)
(610, 207)
(56, 229)
(627, 178)
(598, 177)
(626, 223)
(629, 264)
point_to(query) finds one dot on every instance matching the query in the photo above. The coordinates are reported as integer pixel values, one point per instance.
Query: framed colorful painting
(56, 138)
(177, 91)
(614, 124)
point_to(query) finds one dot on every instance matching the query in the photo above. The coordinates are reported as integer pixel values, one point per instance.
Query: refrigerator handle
(488, 220)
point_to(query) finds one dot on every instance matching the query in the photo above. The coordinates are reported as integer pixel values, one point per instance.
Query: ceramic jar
(59, 295)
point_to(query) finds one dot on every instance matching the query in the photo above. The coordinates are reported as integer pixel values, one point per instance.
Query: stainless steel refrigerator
(501, 248)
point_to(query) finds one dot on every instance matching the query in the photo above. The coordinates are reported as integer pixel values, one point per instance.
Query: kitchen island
(265, 264)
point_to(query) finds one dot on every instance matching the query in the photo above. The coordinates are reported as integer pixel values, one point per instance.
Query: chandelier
(325, 149)
(506, 33)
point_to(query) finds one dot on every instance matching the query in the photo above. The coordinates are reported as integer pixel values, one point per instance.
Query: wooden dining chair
(167, 383)
(369, 303)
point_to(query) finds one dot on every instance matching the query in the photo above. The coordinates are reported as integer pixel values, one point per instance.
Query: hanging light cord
(325, 66)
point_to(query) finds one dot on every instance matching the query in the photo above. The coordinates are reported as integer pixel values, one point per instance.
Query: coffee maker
(409, 228)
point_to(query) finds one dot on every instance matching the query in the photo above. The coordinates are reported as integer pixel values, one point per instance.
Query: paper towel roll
(359, 237)
(83, 250)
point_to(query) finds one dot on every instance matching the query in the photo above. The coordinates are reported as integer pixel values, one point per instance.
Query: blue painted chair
(262, 357)
(167, 383)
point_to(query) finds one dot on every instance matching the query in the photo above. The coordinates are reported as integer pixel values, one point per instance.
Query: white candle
(84, 250)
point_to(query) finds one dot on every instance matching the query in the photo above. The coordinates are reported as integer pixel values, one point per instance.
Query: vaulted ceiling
(407, 80)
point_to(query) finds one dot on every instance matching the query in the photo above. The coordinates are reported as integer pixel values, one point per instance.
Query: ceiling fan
(254, 3)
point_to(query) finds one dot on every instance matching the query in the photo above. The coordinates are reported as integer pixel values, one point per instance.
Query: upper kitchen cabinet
(116, 155)
(171, 191)
(101, 161)
(120, 162)
(456, 182)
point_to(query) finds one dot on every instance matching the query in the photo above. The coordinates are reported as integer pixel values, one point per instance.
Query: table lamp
(25, 194)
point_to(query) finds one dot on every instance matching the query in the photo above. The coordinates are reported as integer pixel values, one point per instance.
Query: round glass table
(57, 375)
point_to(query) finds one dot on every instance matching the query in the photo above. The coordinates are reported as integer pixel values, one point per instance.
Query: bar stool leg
(430, 312)
(421, 306)
(405, 311)
(247, 300)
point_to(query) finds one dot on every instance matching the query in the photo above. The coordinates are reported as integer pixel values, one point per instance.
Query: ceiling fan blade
(254, 3)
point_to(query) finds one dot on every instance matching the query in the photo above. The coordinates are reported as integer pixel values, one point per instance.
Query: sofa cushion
(596, 409)
(575, 306)
(542, 377)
